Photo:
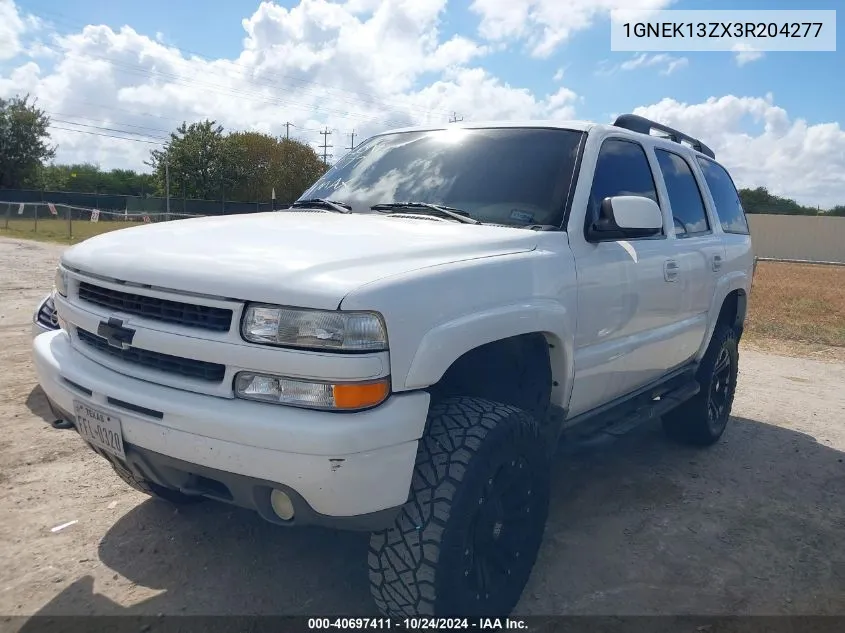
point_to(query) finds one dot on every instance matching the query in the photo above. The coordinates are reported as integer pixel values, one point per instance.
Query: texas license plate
(99, 428)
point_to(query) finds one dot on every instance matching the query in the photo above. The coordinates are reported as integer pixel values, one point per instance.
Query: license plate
(99, 428)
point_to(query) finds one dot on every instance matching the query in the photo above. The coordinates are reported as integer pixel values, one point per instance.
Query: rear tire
(153, 489)
(702, 420)
(466, 540)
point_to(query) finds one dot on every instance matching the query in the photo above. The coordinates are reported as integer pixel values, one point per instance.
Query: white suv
(401, 351)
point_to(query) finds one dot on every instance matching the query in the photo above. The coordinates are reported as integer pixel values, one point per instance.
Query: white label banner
(731, 30)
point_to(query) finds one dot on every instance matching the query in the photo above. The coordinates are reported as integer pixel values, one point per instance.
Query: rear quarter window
(725, 196)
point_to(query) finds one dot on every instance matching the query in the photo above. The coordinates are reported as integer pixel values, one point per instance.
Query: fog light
(282, 505)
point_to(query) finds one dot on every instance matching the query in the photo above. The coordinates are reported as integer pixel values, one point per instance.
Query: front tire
(702, 420)
(466, 540)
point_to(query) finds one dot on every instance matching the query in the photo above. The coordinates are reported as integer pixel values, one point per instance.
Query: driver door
(629, 297)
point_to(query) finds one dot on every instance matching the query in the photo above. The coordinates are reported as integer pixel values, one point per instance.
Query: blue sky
(365, 65)
(806, 83)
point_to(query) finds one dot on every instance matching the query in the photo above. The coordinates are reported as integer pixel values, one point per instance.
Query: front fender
(444, 344)
(437, 314)
(736, 280)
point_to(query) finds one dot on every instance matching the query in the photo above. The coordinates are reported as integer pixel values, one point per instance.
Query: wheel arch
(729, 305)
(443, 347)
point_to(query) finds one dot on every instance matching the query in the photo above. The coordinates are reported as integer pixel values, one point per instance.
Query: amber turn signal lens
(360, 395)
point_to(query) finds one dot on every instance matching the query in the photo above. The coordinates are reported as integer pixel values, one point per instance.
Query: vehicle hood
(291, 258)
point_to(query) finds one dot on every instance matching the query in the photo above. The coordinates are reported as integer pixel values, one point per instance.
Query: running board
(613, 424)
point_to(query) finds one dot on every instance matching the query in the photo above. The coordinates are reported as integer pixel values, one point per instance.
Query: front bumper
(342, 469)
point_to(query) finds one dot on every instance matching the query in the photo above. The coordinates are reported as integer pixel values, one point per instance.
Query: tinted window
(728, 205)
(688, 212)
(622, 170)
(516, 176)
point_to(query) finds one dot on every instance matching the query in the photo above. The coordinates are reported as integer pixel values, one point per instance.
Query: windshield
(514, 176)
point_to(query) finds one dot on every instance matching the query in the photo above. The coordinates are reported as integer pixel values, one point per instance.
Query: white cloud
(12, 26)
(667, 63)
(558, 74)
(745, 54)
(788, 156)
(545, 24)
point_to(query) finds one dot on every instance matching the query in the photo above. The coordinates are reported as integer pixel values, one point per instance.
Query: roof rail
(642, 125)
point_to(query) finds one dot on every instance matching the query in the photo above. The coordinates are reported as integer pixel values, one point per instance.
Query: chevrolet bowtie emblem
(115, 333)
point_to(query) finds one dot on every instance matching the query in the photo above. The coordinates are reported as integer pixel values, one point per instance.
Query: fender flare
(737, 280)
(444, 344)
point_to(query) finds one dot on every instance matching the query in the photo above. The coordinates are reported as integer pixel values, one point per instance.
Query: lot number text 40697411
(417, 624)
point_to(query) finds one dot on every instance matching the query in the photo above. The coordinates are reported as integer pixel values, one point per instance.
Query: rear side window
(728, 205)
(622, 170)
(688, 213)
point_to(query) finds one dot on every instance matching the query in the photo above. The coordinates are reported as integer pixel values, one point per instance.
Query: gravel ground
(752, 525)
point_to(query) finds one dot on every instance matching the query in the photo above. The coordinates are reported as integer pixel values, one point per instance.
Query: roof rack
(642, 125)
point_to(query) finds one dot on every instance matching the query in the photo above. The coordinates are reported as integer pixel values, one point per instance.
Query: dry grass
(804, 303)
(56, 230)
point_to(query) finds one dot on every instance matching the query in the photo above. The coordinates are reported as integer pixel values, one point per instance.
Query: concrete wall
(809, 237)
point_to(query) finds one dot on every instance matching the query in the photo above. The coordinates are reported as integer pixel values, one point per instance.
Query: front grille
(188, 314)
(212, 372)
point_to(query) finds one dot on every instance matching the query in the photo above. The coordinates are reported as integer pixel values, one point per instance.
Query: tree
(266, 163)
(89, 178)
(199, 165)
(759, 200)
(23, 142)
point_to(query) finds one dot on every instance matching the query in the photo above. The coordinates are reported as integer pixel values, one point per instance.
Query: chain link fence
(146, 203)
(71, 223)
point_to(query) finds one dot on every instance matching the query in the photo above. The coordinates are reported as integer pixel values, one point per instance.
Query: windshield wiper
(429, 209)
(339, 207)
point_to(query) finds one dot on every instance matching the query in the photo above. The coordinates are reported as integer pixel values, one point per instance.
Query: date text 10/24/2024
(417, 624)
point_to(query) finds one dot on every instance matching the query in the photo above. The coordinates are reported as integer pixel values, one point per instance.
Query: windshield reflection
(513, 176)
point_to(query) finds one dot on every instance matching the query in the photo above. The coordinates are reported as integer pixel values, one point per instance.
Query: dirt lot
(753, 525)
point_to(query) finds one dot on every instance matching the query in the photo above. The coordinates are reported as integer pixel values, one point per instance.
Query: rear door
(730, 216)
(699, 251)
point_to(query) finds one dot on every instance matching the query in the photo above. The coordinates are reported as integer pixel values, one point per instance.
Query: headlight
(313, 395)
(314, 329)
(61, 281)
(46, 315)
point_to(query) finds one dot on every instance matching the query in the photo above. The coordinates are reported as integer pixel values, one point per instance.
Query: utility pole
(352, 141)
(325, 146)
(287, 130)
(454, 118)
(167, 186)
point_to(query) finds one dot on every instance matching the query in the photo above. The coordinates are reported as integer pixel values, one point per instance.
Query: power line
(109, 129)
(325, 146)
(85, 118)
(122, 138)
(104, 128)
(144, 114)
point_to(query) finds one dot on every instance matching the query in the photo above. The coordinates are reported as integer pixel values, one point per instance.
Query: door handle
(671, 269)
(717, 263)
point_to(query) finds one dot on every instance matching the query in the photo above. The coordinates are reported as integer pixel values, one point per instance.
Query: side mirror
(624, 217)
